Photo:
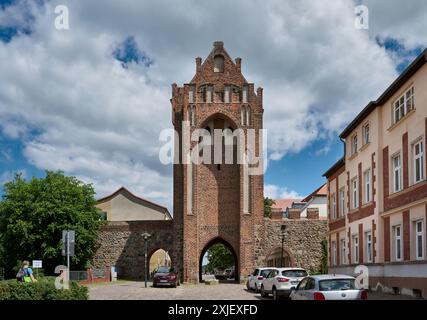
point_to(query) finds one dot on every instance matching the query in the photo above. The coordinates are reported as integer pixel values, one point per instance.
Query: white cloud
(77, 109)
(276, 192)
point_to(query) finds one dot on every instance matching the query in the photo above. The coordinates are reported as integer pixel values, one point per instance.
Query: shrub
(44, 289)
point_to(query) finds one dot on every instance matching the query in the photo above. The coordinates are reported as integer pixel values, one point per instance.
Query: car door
(253, 278)
(309, 289)
(269, 281)
(297, 294)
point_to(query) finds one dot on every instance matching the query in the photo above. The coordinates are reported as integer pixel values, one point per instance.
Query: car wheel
(247, 285)
(275, 295)
(263, 293)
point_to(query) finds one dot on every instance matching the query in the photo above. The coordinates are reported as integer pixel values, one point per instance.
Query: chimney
(198, 63)
(276, 214)
(238, 64)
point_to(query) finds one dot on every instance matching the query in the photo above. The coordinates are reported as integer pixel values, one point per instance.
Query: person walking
(25, 273)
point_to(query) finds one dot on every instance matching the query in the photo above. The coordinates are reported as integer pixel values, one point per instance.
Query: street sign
(37, 264)
(69, 235)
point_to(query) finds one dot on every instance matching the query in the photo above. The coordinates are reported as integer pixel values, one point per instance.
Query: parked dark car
(165, 276)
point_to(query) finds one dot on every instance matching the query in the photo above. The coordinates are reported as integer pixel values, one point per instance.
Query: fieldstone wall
(303, 241)
(121, 244)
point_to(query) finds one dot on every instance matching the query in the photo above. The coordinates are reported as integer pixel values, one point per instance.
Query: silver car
(328, 287)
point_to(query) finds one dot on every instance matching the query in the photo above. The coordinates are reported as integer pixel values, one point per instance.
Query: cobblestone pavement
(129, 290)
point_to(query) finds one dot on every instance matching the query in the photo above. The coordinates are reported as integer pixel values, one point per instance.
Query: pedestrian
(25, 273)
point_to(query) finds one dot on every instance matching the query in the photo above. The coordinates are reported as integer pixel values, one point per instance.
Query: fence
(79, 275)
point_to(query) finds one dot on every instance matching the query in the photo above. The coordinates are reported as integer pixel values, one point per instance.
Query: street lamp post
(146, 236)
(282, 230)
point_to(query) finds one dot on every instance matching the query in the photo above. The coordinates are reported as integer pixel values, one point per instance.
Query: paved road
(130, 290)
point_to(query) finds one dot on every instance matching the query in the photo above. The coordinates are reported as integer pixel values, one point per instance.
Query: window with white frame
(398, 243)
(355, 249)
(366, 137)
(334, 253)
(368, 237)
(419, 240)
(397, 173)
(418, 162)
(403, 105)
(354, 194)
(343, 252)
(354, 144)
(333, 207)
(342, 202)
(368, 188)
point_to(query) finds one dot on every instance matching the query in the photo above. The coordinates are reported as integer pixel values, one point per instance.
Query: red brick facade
(217, 190)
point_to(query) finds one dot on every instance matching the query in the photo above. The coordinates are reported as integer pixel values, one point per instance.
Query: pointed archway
(214, 241)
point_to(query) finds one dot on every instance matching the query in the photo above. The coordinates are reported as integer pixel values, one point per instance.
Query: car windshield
(264, 273)
(337, 284)
(163, 270)
(294, 273)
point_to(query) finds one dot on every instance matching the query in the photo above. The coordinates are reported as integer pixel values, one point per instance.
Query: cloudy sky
(92, 100)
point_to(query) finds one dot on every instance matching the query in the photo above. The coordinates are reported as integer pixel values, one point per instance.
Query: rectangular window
(355, 249)
(419, 239)
(227, 94)
(397, 173)
(334, 253)
(366, 138)
(354, 192)
(418, 162)
(342, 202)
(343, 252)
(368, 191)
(368, 246)
(333, 207)
(398, 243)
(354, 145)
(409, 100)
(403, 105)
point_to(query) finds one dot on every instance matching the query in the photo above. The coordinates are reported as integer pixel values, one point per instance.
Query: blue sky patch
(397, 49)
(128, 52)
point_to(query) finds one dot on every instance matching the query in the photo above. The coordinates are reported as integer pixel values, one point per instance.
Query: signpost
(68, 242)
(37, 264)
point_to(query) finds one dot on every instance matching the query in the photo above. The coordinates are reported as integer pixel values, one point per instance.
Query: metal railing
(78, 275)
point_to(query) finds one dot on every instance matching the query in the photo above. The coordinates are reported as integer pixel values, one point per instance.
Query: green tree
(219, 256)
(324, 263)
(268, 203)
(33, 214)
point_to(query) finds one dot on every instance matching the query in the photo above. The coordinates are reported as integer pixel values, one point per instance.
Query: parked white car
(328, 287)
(281, 281)
(255, 279)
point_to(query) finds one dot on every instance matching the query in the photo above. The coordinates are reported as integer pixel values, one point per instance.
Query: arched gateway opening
(224, 262)
(278, 258)
(158, 258)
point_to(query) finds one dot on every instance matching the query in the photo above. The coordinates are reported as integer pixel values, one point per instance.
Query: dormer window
(219, 64)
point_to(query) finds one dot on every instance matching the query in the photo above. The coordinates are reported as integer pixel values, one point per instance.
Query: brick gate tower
(216, 202)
